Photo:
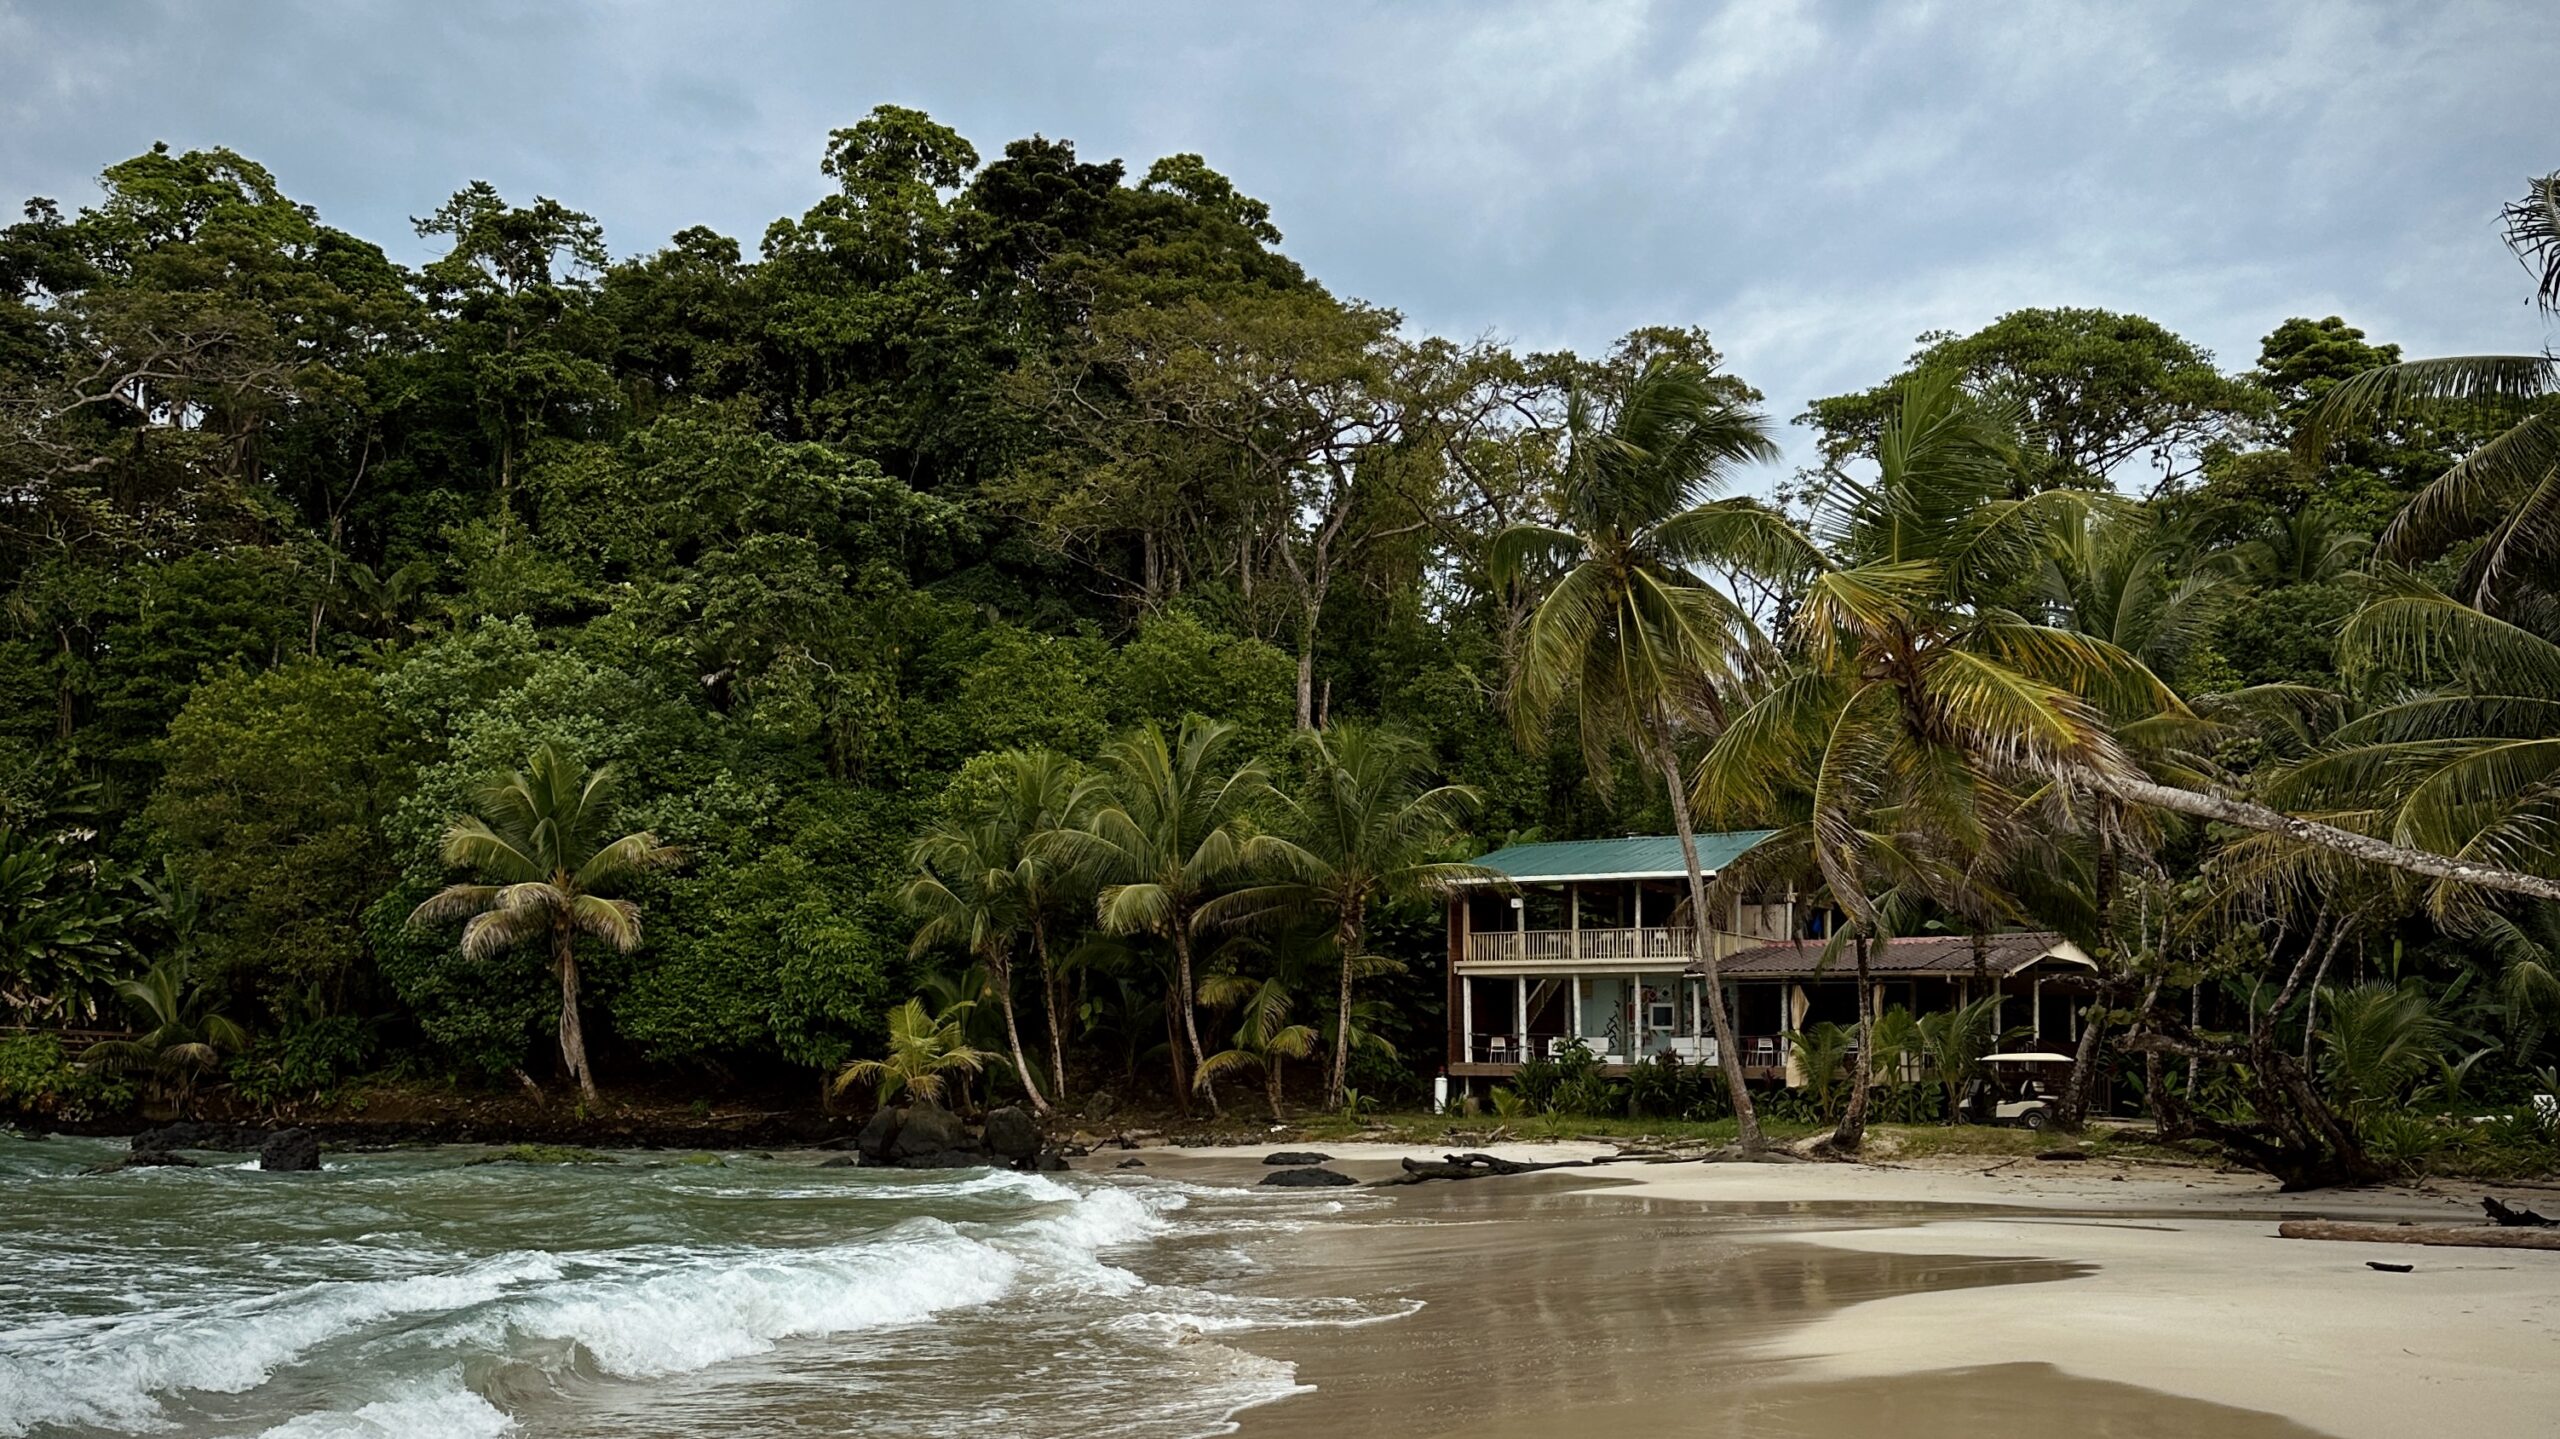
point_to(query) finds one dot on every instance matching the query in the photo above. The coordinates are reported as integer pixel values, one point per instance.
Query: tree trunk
(1307, 683)
(1053, 998)
(1190, 1014)
(1702, 952)
(2305, 831)
(1000, 970)
(573, 1035)
(1271, 1085)
(1179, 1060)
(1346, 938)
(1852, 1130)
(2073, 1110)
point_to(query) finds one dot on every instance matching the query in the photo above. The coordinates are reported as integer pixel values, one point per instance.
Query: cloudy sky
(1816, 184)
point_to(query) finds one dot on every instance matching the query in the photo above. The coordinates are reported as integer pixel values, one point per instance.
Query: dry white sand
(2188, 1291)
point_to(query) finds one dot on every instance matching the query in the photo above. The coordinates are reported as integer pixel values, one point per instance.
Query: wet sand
(1837, 1301)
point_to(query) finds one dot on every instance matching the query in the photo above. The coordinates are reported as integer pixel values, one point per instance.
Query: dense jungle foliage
(1013, 584)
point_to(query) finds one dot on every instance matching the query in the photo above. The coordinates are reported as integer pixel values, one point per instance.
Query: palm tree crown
(547, 873)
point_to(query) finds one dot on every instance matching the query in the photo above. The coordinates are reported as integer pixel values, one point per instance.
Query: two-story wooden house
(1587, 944)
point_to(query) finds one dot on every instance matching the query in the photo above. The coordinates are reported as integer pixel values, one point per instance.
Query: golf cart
(2023, 1083)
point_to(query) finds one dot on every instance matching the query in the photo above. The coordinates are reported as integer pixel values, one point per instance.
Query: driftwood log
(1475, 1166)
(2500, 1214)
(2482, 1236)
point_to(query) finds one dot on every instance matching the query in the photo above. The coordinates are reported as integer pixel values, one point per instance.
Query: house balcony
(1531, 951)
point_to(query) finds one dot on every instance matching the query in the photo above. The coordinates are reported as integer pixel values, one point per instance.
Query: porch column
(2038, 1017)
(1521, 1007)
(1635, 1014)
(1466, 1021)
(1573, 919)
(1578, 1030)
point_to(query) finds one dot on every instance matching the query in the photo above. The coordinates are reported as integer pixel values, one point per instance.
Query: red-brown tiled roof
(1950, 956)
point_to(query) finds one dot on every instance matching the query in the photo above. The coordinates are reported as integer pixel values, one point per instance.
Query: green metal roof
(1638, 856)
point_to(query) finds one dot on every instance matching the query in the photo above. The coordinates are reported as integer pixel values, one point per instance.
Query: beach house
(1586, 942)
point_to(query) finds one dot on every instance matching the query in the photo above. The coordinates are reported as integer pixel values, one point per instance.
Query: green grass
(545, 1154)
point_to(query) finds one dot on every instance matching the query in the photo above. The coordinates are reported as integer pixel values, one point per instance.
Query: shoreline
(1786, 1299)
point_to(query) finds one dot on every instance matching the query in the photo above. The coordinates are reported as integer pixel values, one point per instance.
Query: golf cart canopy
(2027, 1057)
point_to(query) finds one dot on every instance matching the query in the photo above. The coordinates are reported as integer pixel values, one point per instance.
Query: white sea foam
(719, 1307)
(111, 1376)
(434, 1408)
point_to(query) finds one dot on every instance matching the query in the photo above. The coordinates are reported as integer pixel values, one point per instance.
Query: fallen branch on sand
(2465, 1236)
(1477, 1166)
(2500, 1214)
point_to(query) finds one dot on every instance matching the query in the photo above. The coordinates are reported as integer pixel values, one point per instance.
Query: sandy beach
(1954, 1297)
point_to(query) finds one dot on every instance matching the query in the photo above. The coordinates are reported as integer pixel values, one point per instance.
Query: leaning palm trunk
(1053, 998)
(2306, 831)
(573, 1034)
(1702, 952)
(1347, 939)
(1852, 1129)
(1190, 1011)
(1000, 971)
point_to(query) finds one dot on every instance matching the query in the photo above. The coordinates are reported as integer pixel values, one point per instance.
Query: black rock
(1011, 1134)
(1296, 1157)
(292, 1150)
(841, 1161)
(926, 1128)
(1308, 1178)
(944, 1159)
(1130, 1164)
(877, 1136)
(152, 1158)
(1050, 1161)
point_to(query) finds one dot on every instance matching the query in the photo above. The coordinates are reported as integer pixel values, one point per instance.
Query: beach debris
(1309, 1177)
(1130, 1164)
(2473, 1236)
(1296, 1157)
(2060, 1156)
(1476, 1166)
(2388, 1268)
(2499, 1214)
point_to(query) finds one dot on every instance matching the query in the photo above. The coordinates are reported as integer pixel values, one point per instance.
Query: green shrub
(37, 1081)
(307, 1061)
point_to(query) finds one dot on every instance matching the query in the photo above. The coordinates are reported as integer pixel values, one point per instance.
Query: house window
(1662, 1014)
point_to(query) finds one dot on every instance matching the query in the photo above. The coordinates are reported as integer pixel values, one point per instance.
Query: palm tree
(1367, 832)
(1923, 641)
(1266, 1036)
(2463, 756)
(551, 877)
(2301, 548)
(187, 1037)
(926, 1047)
(1952, 1043)
(2380, 1038)
(1168, 833)
(1627, 627)
(988, 880)
(2507, 491)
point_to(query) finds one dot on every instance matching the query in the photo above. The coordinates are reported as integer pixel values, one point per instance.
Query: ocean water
(414, 1295)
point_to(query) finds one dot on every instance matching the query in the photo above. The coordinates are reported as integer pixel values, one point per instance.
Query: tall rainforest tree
(1170, 831)
(1367, 831)
(989, 882)
(548, 876)
(1627, 627)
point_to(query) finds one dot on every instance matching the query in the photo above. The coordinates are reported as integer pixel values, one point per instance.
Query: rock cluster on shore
(923, 1135)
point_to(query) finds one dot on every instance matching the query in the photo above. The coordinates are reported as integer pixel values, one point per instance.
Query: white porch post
(2037, 1018)
(1466, 1021)
(1520, 1006)
(1635, 1012)
(1573, 918)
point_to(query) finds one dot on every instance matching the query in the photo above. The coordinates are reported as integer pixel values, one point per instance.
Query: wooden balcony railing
(1564, 946)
